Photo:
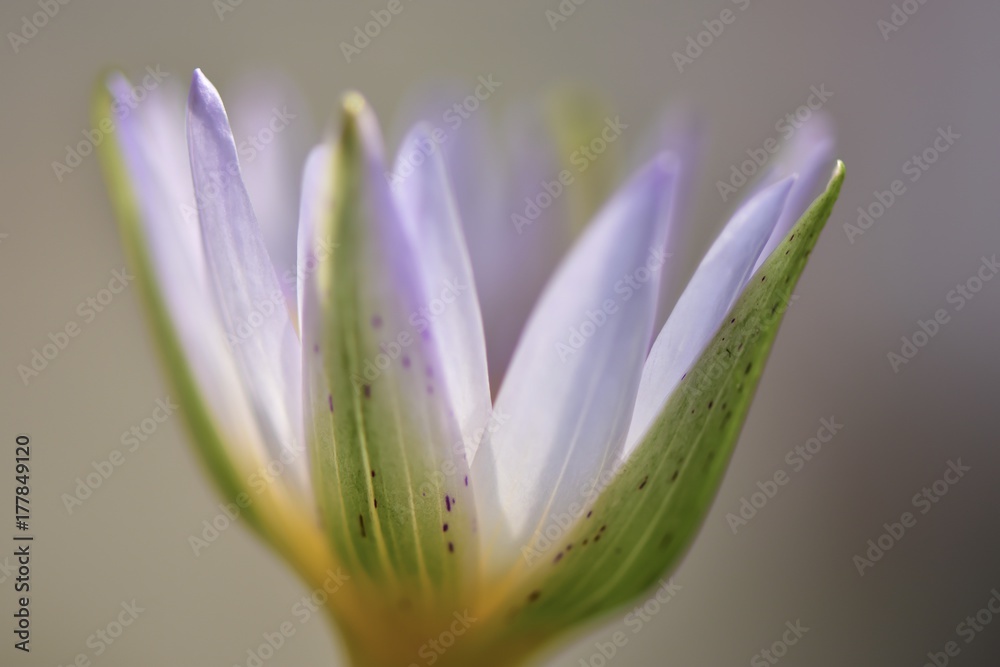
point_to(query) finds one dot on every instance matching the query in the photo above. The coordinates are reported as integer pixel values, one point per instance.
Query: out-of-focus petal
(810, 157)
(248, 295)
(678, 130)
(587, 144)
(273, 132)
(573, 378)
(715, 286)
(525, 238)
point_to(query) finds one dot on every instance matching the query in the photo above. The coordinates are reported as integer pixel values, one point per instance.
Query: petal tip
(359, 126)
(667, 163)
(203, 97)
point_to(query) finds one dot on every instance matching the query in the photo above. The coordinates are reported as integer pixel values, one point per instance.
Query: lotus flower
(461, 527)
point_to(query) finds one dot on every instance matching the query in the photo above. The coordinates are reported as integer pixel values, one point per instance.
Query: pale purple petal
(243, 279)
(314, 203)
(712, 291)
(573, 378)
(430, 215)
(314, 256)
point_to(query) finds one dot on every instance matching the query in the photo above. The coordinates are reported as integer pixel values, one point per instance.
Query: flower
(459, 527)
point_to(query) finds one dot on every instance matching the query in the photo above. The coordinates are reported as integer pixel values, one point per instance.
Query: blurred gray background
(794, 561)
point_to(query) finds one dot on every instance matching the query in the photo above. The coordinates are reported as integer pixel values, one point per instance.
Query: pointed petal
(397, 470)
(573, 378)
(700, 310)
(428, 210)
(243, 280)
(810, 157)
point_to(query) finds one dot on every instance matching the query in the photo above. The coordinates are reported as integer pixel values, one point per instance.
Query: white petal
(314, 202)
(572, 381)
(713, 290)
(246, 288)
(429, 213)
